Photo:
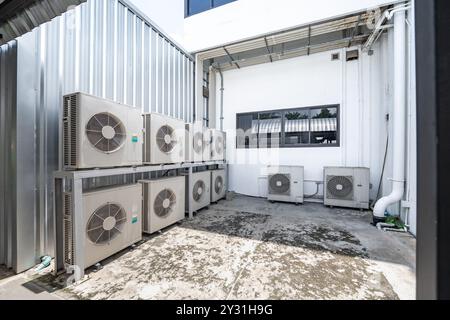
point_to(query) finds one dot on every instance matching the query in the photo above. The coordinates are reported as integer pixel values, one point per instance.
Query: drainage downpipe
(399, 123)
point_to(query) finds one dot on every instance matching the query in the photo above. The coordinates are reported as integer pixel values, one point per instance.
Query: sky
(167, 14)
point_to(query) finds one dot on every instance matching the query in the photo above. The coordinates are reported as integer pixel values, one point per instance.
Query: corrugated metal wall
(8, 69)
(102, 47)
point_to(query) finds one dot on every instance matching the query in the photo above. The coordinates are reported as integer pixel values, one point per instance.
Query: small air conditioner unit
(164, 203)
(111, 223)
(164, 139)
(285, 184)
(194, 142)
(207, 142)
(200, 193)
(347, 187)
(218, 185)
(99, 133)
(218, 140)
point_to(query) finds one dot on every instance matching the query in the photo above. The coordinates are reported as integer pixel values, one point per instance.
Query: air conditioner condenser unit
(207, 142)
(218, 143)
(111, 223)
(164, 139)
(99, 133)
(164, 203)
(194, 142)
(218, 185)
(199, 194)
(285, 184)
(347, 187)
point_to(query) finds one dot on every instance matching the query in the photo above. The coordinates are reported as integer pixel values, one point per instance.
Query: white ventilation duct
(399, 123)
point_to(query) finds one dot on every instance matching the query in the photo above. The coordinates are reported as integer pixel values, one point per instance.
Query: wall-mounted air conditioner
(347, 187)
(99, 133)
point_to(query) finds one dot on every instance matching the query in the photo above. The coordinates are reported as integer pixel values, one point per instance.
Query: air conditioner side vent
(70, 143)
(69, 245)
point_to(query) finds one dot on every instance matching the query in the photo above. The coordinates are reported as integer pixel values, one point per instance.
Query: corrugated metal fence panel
(8, 89)
(103, 48)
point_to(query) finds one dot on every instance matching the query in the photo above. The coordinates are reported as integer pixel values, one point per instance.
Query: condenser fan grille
(105, 132)
(198, 142)
(199, 190)
(218, 185)
(164, 203)
(280, 184)
(106, 224)
(165, 139)
(340, 187)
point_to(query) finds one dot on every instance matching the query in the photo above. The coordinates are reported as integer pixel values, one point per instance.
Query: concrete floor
(248, 248)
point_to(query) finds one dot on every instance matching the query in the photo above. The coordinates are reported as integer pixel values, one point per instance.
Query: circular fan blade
(340, 187)
(110, 216)
(105, 132)
(280, 184)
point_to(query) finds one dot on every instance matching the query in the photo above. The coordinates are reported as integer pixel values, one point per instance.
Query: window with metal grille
(290, 128)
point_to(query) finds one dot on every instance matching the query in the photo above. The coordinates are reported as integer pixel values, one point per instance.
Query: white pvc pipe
(399, 123)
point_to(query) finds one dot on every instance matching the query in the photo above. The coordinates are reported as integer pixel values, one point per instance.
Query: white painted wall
(302, 82)
(248, 18)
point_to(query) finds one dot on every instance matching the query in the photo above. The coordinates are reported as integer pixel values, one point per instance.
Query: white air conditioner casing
(207, 141)
(111, 223)
(285, 184)
(200, 192)
(347, 187)
(218, 142)
(164, 203)
(164, 139)
(99, 133)
(194, 142)
(218, 185)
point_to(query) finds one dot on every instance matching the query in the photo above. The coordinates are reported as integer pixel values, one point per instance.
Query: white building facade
(361, 89)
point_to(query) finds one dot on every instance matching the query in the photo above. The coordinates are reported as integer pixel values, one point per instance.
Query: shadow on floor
(263, 227)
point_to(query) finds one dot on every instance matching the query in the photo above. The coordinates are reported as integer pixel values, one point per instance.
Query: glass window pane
(197, 6)
(247, 131)
(269, 130)
(217, 3)
(324, 125)
(296, 127)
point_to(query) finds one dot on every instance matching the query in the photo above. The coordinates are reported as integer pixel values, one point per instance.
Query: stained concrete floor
(248, 248)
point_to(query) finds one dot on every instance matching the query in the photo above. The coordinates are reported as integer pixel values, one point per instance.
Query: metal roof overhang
(18, 17)
(323, 36)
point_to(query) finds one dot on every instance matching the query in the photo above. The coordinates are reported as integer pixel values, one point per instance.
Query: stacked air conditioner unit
(207, 142)
(199, 194)
(111, 223)
(164, 139)
(194, 142)
(164, 203)
(218, 140)
(347, 187)
(99, 133)
(285, 184)
(218, 185)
